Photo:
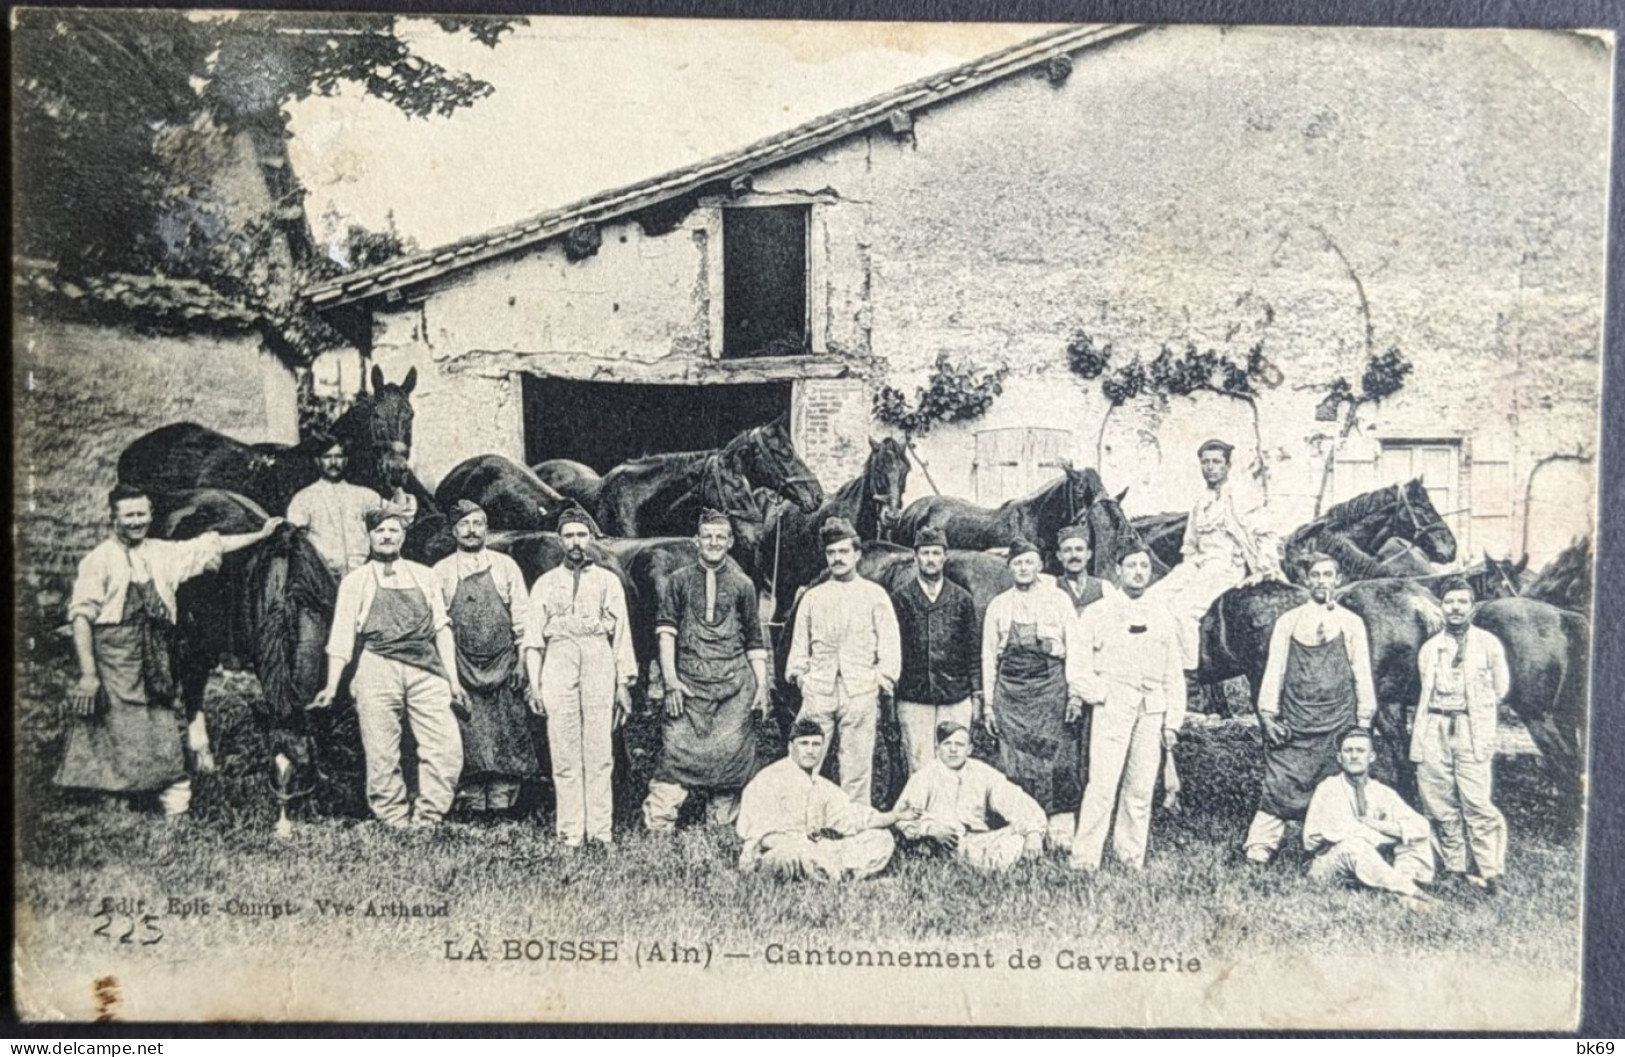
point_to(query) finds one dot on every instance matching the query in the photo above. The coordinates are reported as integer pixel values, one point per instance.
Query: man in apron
(126, 733)
(1317, 685)
(578, 655)
(713, 660)
(391, 620)
(1032, 661)
(489, 606)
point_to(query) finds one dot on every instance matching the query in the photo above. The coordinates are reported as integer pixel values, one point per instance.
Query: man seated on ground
(796, 823)
(1353, 819)
(955, 796)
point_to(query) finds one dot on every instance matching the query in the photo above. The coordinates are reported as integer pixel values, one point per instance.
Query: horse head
(1426, 528)
(765, 455)
(377, 432)
(725, 489)
(1498, 579)
(885, 479)
(1083, 487)
(1111, 532)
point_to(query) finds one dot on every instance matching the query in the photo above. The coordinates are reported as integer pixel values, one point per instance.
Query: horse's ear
(874, 445)
(1523, 563)
(1120, 496)
(377, 378)
(409, 382)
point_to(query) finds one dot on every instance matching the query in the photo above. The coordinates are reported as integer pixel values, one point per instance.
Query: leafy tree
(129, 130)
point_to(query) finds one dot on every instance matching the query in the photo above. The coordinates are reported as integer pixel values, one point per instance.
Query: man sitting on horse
(1225, 546)
(333, 510)
(1317, 685)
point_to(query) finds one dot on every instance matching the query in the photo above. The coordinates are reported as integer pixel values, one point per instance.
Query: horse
(1356, 531)
(1036, 517)
(512, 496)
(267, 608)
(790, 554)
(1164, 534)
(377, 437)
(1489, 579)
(575, 481)
(1565, 581)
(662, 495)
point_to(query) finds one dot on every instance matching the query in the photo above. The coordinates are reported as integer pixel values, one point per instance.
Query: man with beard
(941, 681)
(391, 619)
(1135, 683)
(1317, 685)
(795, 823)
(126, 731)
(333, 511)
(489, 607)
(845, 653)
(713, 660)
(1352, 818)
(578, 654)
(1225, 546)
(1464, 679)
(1032, 663)
(969, 809)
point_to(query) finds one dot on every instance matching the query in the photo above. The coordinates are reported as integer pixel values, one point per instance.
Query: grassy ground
(1195, 896)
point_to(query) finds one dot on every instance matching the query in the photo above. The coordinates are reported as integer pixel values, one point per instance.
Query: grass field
(1194, 897)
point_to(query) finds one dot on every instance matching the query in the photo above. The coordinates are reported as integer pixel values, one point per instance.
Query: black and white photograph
(591, 519)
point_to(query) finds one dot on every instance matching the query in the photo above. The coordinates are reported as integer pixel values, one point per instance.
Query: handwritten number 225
(147, 923)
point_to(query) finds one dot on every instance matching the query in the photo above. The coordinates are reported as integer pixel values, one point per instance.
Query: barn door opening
(603, 424)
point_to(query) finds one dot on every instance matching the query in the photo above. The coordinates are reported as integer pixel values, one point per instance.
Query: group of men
(1083, 683)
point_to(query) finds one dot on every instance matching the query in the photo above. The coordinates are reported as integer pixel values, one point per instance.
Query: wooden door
(1011, 463)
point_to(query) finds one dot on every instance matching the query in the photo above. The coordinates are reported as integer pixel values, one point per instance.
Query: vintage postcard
(575, 519)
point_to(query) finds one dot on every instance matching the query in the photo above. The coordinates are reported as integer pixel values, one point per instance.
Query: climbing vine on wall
(953, 393)
(1383, 377)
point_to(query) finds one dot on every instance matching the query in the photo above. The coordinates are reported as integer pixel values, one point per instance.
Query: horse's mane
(1352, 562)
(1361, 506)
(1565, 581)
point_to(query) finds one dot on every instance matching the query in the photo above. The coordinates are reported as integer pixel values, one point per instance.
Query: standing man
(390, 618)
(1353, 817)
(795, 823)
(1135, 685)
(126, 733)
(1464, 679)
(334, 510)
(713, 661)
(1033, 659)
(969, 809)
(489, 606)
(1225, 546)
(1073, 551)
(1317, 685)
(845, 653)
(941, 680)
(578, 655)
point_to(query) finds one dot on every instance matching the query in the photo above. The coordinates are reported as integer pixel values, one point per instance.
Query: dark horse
(573, 480)
(513, 498)
(1036, 518)
(661, 495)
(267, 608)
(1359, 532)
(1565, 581)
(377, 436)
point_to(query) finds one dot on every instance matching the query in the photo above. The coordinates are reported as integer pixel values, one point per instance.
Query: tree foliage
(128, 128)
(952, 393)
(1190, 371)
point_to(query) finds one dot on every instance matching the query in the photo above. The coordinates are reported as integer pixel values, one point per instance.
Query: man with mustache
(713, 659)
(333, 510)
(489, 606)
(126, 733)
(1317, 685)
(941, 681)
(578, 655)
(391, 620)
(844, 653)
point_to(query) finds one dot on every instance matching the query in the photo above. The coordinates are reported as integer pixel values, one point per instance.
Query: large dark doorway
(603, 424)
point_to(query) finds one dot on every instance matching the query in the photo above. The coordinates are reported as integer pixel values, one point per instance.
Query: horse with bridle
(1361, 533)
(1036, 517)
(663, 495)
(376, 433)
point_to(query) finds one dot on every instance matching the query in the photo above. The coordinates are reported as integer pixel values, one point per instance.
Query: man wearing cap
(391, 620)
(1225, 546)
(713, 660)
(959, 800)
(333, 510)
(485, 597)
(1353, 819)
(941, 680)
(1135, 685)
(578, 654)
(126, 730)
(1317, 685)
(845, 653)
(795, 823)
(1032, 663)
(1464, 680)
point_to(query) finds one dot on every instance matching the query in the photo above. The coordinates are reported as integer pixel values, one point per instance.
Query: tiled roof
(156, 299)
(609, 205)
